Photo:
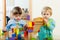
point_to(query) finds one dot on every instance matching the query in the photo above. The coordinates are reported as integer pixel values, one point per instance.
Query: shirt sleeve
(23, 22)
(8, 26)
(51, 24)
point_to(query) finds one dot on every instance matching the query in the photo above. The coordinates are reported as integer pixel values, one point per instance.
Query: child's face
(46, 14)
(17, 17)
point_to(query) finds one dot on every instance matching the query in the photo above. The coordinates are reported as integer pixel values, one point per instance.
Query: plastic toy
(14, 35)
(38, 23)
(30, 26)
(33, 38)
(19, 36)
(11, 38)
(28, 17)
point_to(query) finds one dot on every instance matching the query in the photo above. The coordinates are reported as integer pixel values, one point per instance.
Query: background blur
(37, 6)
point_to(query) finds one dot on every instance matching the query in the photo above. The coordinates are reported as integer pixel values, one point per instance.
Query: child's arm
(9, 25)
(51, 24)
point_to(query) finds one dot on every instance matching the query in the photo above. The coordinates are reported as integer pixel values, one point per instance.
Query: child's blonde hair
(49, 9)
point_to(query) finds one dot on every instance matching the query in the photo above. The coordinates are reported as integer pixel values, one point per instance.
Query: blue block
(19, 36)
(30, 31)
(13, 35)
(12, 38)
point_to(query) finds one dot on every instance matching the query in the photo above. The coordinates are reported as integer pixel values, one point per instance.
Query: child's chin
(17, 19)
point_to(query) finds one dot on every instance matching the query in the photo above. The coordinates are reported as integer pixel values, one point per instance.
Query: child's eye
(44, 14)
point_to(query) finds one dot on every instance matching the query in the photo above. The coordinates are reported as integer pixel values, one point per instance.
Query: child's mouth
(18, 18)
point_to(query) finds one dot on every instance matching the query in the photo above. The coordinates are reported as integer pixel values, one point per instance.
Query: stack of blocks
(38, 23)
(16, 34)
(30, 29)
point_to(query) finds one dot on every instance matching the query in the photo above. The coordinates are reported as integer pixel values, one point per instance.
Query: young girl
(49, 24)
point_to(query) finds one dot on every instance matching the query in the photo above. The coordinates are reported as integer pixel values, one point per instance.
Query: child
(16, 21)
(49, 24)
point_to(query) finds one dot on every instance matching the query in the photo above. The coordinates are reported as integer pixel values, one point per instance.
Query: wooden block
(38, 23)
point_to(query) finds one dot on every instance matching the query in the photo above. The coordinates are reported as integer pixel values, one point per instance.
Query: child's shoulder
(11, 21)
(22, 21)
(51, 20)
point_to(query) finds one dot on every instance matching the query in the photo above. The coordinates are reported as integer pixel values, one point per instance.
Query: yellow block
(30, 24)
(17, 31)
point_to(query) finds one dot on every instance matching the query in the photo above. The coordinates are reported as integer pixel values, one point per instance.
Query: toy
(38, 23)
(33, 38)
(28, 17)
(14, 35)
(11, 38)
(19, 36)
(30, 26)
(30, 29)
(25, 33)
(15, 32)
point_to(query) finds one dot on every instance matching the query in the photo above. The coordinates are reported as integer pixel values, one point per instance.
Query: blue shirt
(12, 24)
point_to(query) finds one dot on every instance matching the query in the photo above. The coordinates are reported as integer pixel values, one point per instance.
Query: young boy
(16, 21)
(49, 24)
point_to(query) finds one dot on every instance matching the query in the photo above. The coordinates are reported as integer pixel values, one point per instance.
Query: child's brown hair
(49, 9)
(16, 10)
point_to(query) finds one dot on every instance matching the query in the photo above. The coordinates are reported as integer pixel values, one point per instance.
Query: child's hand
(46, 21)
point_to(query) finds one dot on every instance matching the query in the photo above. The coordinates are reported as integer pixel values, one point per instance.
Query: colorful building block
(28, 17)
(11, 38)
(14, 35)
(19, 36)
(30, 26)
(16, 31)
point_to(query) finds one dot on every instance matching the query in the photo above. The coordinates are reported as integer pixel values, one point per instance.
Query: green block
(20, 29)
(33, 38)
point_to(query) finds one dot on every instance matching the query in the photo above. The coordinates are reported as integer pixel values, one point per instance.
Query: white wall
(37, 6)
(22, 3)
(10, 5)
